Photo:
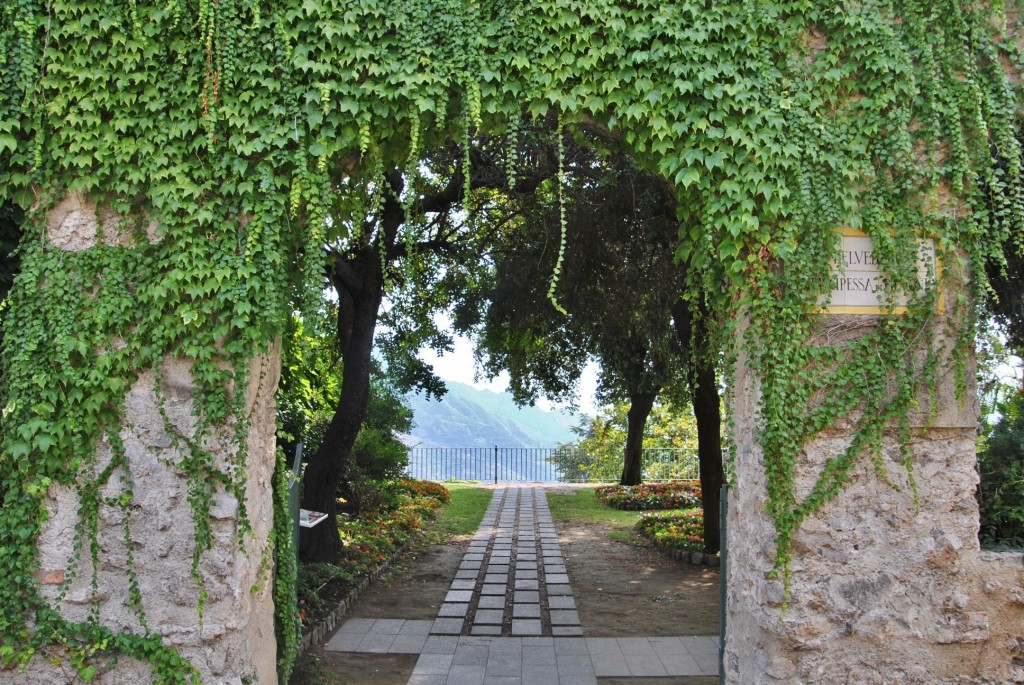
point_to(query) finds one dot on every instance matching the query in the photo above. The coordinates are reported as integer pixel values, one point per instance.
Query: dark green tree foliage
(617, 285)
(596, 454)
(11, 217)
(1006, 299)
(310, 380)
(415, 249)
(1004, 302)
(621, 290)
(1000, 493)
(1001, 465)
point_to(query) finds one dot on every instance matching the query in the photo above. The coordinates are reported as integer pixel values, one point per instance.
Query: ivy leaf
(20, 449)
(687, 176)
(728, 249)
(43, 442)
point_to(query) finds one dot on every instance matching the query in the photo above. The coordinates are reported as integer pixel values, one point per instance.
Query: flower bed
(678, 530)
(680, 494)
(425, 488)
(369, 541)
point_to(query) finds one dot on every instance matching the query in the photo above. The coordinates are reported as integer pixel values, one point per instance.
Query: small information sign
(857, 286)
(308, 519)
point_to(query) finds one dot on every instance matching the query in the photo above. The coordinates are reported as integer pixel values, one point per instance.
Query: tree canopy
(421, 250)
(614, 298)
(596, 454)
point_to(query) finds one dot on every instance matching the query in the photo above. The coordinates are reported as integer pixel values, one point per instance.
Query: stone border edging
(685, 555)
(318, 632)
(693, 558)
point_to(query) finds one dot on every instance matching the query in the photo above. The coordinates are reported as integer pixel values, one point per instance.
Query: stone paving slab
(408, 644)
(491, 602)
(517, 535)
(526, 611)
(561, 602)
(447, 626)
(490, 616)
(459, 596)
(453, 610)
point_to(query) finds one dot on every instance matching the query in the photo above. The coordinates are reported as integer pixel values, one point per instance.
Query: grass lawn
(462, 515)
(582, 506)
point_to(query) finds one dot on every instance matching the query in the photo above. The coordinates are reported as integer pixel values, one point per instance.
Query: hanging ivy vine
(240, 127)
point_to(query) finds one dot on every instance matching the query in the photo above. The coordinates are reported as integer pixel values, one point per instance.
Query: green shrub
(364, 497)
(390, 516)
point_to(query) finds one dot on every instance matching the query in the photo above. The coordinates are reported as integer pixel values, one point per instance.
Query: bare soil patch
(625, 590)
(621, 590)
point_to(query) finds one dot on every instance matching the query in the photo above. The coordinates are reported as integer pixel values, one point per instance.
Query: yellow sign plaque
(857, 284)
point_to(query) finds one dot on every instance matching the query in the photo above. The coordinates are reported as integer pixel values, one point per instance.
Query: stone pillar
(882, 591)
(235, 643)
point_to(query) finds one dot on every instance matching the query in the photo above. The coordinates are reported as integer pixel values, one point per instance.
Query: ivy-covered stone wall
(144, 582)
(887, 583)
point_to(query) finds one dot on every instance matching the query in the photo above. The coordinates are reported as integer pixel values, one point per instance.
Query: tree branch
(343, 274)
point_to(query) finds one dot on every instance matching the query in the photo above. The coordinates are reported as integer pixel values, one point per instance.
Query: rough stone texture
(236, 640)
(76, 224)
(881, 592)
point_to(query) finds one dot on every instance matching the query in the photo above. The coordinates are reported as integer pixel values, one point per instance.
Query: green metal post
(723, 516)
(293, 495)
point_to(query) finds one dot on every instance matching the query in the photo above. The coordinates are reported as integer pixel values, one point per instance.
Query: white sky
(459, 366)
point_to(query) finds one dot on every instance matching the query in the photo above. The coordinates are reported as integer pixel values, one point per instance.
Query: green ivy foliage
(237, 127)
(287, 627)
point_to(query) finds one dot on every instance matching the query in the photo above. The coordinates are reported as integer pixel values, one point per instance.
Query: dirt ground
(621, 590)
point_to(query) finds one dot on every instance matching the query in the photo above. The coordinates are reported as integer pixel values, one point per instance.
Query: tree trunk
(640, 405)
(359, 281)
(357, 322)
(707, 411)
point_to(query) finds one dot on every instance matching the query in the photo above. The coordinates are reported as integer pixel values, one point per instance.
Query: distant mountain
(467, 417)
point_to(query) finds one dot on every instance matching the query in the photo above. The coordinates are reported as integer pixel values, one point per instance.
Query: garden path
(510, 617)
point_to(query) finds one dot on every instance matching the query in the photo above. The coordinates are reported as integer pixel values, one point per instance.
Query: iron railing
(540, 464)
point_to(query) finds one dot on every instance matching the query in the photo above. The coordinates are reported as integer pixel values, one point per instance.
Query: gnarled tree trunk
(707, 410)
(359, 282)
(357, 323)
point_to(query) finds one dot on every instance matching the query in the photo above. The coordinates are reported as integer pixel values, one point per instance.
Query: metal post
(723, 516)
(495, 464)
(293, 495)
